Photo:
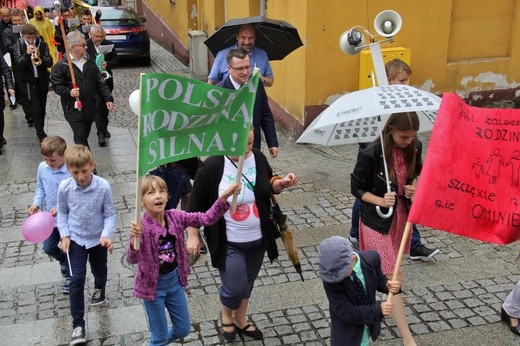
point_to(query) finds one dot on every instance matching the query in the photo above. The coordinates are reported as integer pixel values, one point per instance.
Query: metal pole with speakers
(386, 24)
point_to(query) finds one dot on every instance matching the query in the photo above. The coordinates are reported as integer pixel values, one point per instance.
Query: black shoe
(507, 319)
(98, 297)
(4, 142)
(13, 106)
(42, 137)
(65, 289)
(64, 269)
(108, 135)
(228, 336)
(354, 242)
(101, 141)
(78, 336)
(30, 123)
(255, 334)
(422, 252)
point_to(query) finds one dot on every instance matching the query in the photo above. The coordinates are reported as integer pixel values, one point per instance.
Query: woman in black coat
(238, 241)
(368, 183)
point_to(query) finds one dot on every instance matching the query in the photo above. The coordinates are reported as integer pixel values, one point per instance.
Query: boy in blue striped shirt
(51, 172)
(86, 220)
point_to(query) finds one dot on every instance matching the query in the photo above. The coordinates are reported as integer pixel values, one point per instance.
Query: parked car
(126, 29)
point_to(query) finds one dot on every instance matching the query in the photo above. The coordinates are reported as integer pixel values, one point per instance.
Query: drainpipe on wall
(262, 7)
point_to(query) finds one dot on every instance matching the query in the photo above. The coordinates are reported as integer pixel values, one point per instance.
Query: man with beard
(246, 38)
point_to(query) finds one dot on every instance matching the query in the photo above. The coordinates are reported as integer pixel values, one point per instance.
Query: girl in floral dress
(368, 183)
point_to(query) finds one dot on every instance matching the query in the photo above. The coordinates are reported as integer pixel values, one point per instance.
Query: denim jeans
(170, 295)
(97, 257)
(354, 229)
(50, 246)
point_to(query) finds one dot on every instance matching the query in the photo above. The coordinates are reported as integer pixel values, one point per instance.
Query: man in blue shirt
(246, 37)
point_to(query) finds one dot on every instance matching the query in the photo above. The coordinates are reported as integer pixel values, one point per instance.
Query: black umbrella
(277, 37)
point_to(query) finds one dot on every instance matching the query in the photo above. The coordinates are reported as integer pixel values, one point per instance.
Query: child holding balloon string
(51, 172)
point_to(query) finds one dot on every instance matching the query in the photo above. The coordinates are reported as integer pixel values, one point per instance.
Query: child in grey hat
(350, 280)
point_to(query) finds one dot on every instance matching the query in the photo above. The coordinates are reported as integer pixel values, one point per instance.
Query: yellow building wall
(179, 16)
(211, 15)
(289, 89)
(456, 45)
(242, 8)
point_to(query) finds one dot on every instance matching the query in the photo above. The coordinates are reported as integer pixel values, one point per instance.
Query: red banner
(470, 182)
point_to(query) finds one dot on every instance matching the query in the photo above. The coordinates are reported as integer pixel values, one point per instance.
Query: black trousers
(81, 130)
(2, 125)
(34, 103)
(102, 118)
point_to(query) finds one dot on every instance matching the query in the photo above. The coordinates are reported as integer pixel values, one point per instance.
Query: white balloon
(133, 100)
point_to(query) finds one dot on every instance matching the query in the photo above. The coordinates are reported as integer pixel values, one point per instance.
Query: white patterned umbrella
(353, 118)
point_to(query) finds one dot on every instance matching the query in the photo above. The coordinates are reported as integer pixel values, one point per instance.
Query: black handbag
(276, 217)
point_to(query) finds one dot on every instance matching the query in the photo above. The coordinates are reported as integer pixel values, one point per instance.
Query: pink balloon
(38, 227)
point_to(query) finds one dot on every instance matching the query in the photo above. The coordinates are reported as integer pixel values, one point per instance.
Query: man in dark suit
(110, 60)
(90, 88)
(33, 76)
(58, 38)
(239, 73)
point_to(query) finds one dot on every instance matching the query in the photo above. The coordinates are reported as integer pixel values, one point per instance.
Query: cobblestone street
(453, 299)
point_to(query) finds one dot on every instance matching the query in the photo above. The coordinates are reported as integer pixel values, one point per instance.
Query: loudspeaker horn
(388, 23)
(351, 39)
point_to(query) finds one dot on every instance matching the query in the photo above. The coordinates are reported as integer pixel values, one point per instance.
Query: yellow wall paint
(175, 15)
(457, 45)
(289, 89)
(242, 8)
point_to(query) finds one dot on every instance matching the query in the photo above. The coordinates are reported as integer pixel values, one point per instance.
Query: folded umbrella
(287, 237)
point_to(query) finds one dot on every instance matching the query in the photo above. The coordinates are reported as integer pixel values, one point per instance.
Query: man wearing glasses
(239, 72)
(91, 88)
(246, 38)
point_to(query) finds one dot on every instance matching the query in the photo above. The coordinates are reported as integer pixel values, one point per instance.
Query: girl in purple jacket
(162, 270)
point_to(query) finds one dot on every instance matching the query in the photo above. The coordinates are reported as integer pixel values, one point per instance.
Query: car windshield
(111, 16)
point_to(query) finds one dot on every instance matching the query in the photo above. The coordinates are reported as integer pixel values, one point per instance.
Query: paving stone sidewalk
(453, 299)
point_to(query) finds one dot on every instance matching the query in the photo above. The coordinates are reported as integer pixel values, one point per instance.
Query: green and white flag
(182, 118)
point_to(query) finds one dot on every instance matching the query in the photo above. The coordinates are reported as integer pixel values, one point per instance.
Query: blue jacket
(347, 319)
(262, 116)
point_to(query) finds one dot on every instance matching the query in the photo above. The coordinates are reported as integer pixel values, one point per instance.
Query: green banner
(182, 118)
